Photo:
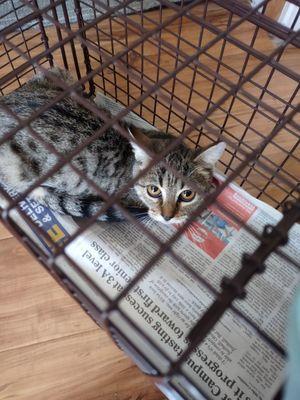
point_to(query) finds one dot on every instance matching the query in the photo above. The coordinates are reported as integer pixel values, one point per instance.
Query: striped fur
(110, 161)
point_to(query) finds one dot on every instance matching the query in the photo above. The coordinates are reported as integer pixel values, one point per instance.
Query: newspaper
(233, 362)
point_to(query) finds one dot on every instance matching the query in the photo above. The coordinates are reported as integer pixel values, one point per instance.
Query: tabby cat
(110, 161)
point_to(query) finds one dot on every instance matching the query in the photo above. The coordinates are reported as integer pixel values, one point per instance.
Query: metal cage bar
(108, 67)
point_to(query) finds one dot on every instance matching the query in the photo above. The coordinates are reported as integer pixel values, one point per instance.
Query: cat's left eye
(187, 195)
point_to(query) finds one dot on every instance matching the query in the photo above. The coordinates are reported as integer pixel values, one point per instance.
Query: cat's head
(169, 199)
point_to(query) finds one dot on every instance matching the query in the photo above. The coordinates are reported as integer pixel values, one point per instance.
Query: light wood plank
(49, 347)
(4, 232)
(30, 312)
(82, 366)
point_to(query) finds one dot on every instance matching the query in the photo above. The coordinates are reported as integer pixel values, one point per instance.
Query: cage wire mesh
(172, 65)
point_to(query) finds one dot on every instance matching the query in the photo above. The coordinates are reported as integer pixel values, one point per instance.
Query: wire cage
(202, 70)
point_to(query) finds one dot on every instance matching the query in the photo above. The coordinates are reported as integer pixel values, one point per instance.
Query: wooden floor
(49, 348)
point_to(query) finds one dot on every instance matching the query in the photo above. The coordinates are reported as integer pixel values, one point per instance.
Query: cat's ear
(212, 155)
(139, 138)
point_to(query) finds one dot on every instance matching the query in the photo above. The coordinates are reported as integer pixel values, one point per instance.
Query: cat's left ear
(139, 138)
(212, 155)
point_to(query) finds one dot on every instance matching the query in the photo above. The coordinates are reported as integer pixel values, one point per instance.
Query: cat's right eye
(154, 191)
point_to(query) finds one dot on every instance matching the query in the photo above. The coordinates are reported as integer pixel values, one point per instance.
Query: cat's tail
(82, 206)
(56, 72)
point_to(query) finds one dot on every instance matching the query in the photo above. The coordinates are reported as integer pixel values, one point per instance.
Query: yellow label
(55, 233)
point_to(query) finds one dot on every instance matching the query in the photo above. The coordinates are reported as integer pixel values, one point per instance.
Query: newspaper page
(233, 362)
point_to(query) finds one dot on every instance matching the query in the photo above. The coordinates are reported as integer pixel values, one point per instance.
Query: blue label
(42, 217)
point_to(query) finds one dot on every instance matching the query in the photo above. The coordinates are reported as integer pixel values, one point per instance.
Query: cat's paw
(39, 195)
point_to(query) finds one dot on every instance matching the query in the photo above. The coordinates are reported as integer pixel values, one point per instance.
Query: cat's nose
(167, 217)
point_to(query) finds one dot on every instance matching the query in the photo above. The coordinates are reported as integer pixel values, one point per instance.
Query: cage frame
(272, 237)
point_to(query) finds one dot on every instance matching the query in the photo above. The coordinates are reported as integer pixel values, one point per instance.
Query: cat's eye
(153, 191)
(187, 195)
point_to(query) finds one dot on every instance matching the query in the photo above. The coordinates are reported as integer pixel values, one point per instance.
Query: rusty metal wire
(104, 65)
